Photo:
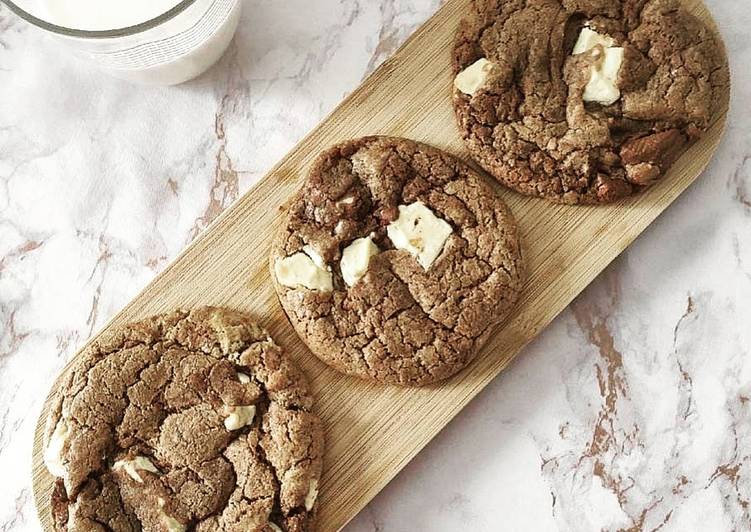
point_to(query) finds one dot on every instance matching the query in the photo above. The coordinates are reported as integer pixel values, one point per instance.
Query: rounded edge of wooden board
(42, 481)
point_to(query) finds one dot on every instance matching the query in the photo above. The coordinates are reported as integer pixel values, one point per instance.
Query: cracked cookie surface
(417, 314)
(522, 110)
(188, 421)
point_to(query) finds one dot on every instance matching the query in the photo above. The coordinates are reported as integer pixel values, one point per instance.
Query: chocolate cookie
(396, 261)
(184, 421)
(584, 101)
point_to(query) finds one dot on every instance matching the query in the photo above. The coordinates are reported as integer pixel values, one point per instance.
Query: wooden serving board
(372, 431)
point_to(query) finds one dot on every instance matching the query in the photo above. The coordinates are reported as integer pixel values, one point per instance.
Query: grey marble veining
(632, 411)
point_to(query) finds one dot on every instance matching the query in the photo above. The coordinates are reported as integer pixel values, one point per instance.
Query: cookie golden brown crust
(529, 126)
(189, 421)
(401, 323)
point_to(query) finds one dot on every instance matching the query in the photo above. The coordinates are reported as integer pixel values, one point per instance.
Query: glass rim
(181, 6)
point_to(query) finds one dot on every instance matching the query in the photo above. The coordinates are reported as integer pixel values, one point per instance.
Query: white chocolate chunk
(304, 269)
(367, 163)
(314, 256)
(239, 416)
(274, 527)
(132, 467)
(589, 38)
(53, 454)
(603, 82)
(473, 77)
(172, 524)
(310, 498)
(355, 259)
(243, 378)
(420, 232)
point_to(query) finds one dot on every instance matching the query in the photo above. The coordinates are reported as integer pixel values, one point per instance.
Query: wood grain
(373, 431)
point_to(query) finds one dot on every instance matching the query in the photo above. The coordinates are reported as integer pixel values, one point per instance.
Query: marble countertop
(632, 411)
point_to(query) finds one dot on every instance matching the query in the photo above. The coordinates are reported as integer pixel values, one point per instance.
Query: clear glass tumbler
(176, 46)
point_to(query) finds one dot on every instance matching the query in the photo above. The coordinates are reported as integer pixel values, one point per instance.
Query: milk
(169, 53)
(97, 15)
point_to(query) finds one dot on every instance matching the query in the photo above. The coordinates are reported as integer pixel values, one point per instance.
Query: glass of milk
(155, 42)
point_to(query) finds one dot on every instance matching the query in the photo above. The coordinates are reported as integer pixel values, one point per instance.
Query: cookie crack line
(425, 312)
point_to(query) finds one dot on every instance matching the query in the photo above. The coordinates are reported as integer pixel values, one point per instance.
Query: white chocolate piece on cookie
(243, 378)
(355, 259)
(239, 416)
(588, 39)
(305, 269)
(172, 524)
(603, 82)
(310, 498)
(603, 85)
(53, 454)
(472, 78)
(420, 232)
(132, 467)
(311, 252)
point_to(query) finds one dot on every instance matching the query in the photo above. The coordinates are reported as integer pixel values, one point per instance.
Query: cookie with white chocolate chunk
(396, 261)
(188, 421)
(584, 101)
